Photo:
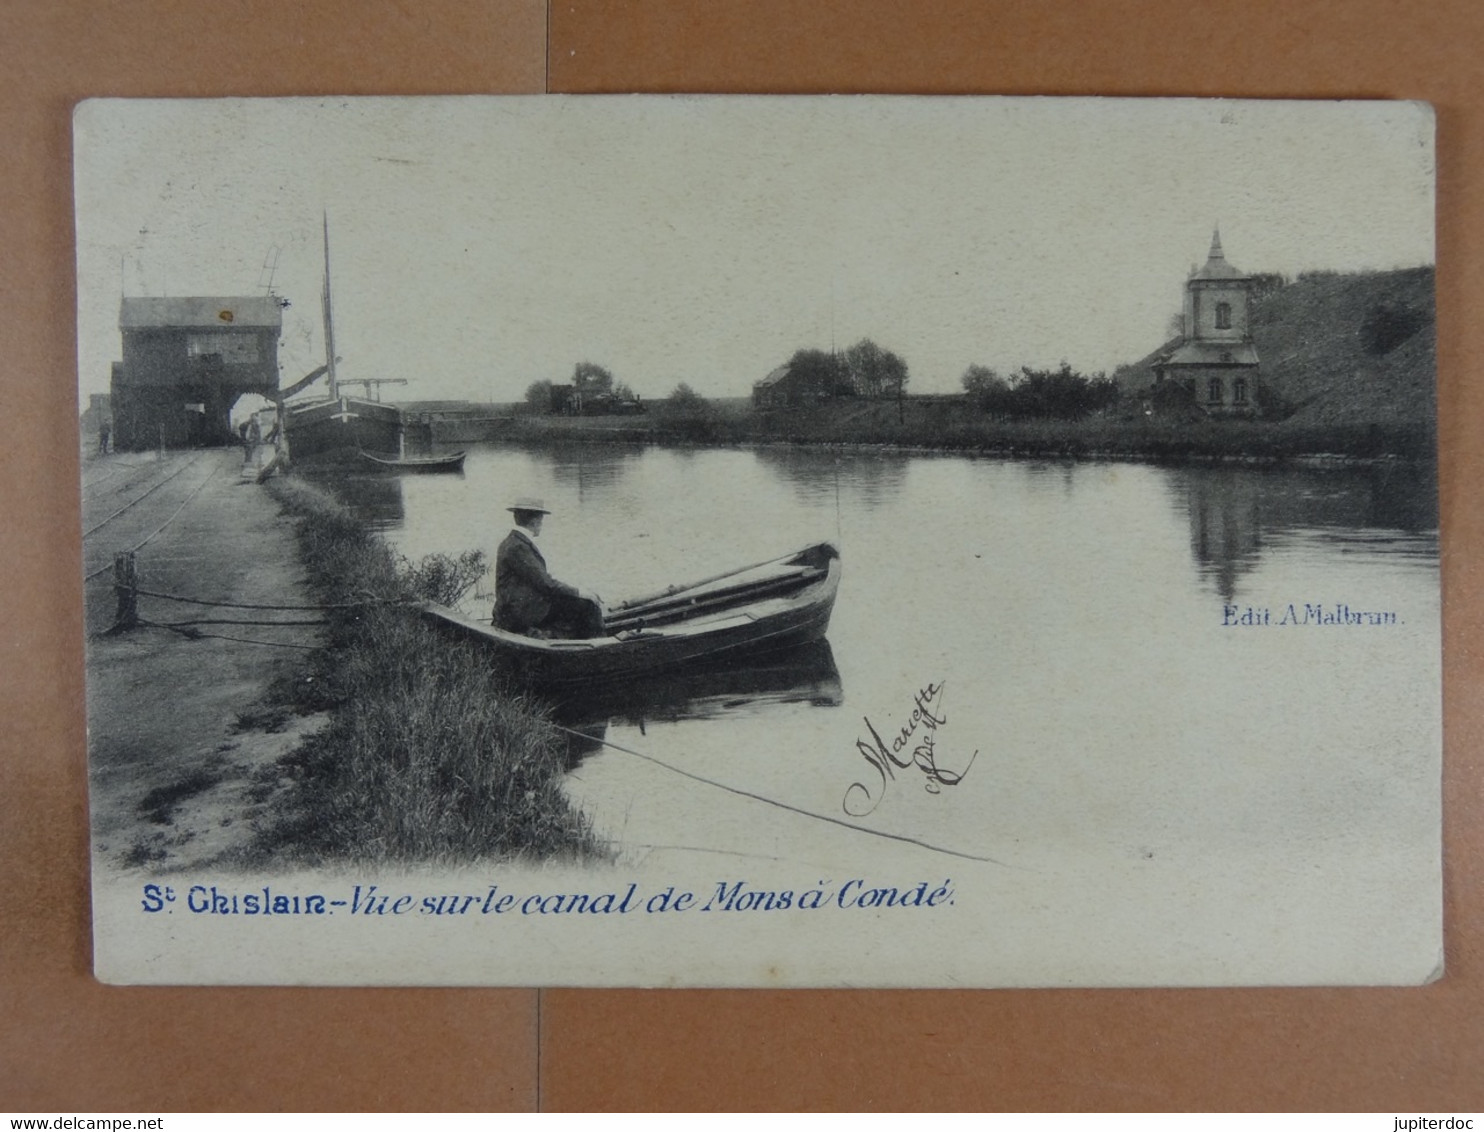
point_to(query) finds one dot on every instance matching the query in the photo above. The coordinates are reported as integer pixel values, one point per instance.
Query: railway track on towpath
(132, 507)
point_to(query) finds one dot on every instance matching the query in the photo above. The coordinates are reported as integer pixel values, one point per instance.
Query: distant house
(1215, 361)
(186, 361)
(96, 414)
(799, 382)
(569, 400)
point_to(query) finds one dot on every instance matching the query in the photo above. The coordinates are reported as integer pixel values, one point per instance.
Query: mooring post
(126, 586)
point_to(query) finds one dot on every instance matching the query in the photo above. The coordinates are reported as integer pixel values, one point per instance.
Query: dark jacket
(523, 588)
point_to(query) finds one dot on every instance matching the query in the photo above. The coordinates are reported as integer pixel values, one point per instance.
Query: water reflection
(867, 479)
(375, 498)
(593, 469)
(806, 674)
(1044, 473)
(1235, 513)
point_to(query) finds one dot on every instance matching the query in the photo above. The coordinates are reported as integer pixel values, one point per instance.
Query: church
(1216, 360)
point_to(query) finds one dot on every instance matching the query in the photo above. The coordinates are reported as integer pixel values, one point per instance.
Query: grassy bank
(429, 756)
(951, 424)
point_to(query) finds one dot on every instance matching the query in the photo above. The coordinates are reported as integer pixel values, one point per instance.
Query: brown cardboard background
(67, 1043)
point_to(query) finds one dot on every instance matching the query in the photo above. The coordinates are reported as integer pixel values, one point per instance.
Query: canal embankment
(951, 424)
(280, 702)
(430, 754)
(1348, 373)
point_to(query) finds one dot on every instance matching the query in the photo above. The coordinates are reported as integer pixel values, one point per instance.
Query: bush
(1387, 325)
(1061, 394)
(1272, 405)
(1173, 400)
(687, 416)
(442, 579)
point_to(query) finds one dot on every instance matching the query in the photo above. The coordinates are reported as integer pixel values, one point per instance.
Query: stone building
(1216, 360)
(185, 363)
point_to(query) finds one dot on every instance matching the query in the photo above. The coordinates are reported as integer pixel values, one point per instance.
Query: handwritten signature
(914, 745)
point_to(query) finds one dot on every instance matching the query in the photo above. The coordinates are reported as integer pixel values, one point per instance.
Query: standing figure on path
(105, 431)
(527, 598)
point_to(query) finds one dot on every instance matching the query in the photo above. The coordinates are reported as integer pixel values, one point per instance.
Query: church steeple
(1216, 360)
(1216, 265)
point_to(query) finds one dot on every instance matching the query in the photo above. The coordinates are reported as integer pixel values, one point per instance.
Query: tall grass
(429, 756)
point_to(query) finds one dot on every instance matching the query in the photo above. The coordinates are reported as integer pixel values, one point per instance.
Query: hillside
(1341, 348)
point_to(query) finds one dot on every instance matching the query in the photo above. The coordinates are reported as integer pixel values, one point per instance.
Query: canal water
(1113, 736)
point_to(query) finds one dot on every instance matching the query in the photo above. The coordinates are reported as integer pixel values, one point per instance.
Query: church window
(1213, 391)
(1223, 316)
(1239, 391)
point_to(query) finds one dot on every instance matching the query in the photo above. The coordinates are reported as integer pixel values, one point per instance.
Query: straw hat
(531, 504)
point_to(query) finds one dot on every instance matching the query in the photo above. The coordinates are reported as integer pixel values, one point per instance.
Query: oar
(688, 597)
(734, 596)
(669, 591)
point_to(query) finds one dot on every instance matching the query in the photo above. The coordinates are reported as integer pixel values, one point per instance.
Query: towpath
(181, 752)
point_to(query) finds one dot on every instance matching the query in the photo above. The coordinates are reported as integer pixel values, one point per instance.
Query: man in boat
(527, 598)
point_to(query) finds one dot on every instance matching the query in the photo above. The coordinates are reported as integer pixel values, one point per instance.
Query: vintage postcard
(754, 541)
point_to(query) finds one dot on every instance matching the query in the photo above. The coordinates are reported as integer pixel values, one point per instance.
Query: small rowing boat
(454, 462)
(731, 686)
(772, 605)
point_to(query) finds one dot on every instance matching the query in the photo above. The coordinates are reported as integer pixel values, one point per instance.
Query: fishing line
(783, 805)
(838, 537)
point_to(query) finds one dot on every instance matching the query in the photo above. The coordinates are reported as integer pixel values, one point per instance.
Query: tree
(688, 415)
(686, 399)
(821, 374)
(590, 379)
(978, 380)
(1062, 393)
(1263, 284)
(538, 396)
(875, 372)
(988, 390)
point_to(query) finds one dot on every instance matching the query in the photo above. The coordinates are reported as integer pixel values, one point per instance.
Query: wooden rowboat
(726, 688)
(775, 605)
(453, 462)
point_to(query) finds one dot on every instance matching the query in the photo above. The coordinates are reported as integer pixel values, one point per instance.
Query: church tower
(1216, 360)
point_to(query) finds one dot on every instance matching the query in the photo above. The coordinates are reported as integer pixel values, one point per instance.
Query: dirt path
(181, 753)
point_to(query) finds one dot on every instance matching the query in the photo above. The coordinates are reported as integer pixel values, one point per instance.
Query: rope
(193, 635)
(276, 608)
(780, 805)
(233, 621)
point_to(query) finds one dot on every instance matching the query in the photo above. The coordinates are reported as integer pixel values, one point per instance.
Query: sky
(479, 244)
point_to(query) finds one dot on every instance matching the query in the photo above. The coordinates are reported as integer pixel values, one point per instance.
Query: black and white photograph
(871, 541)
